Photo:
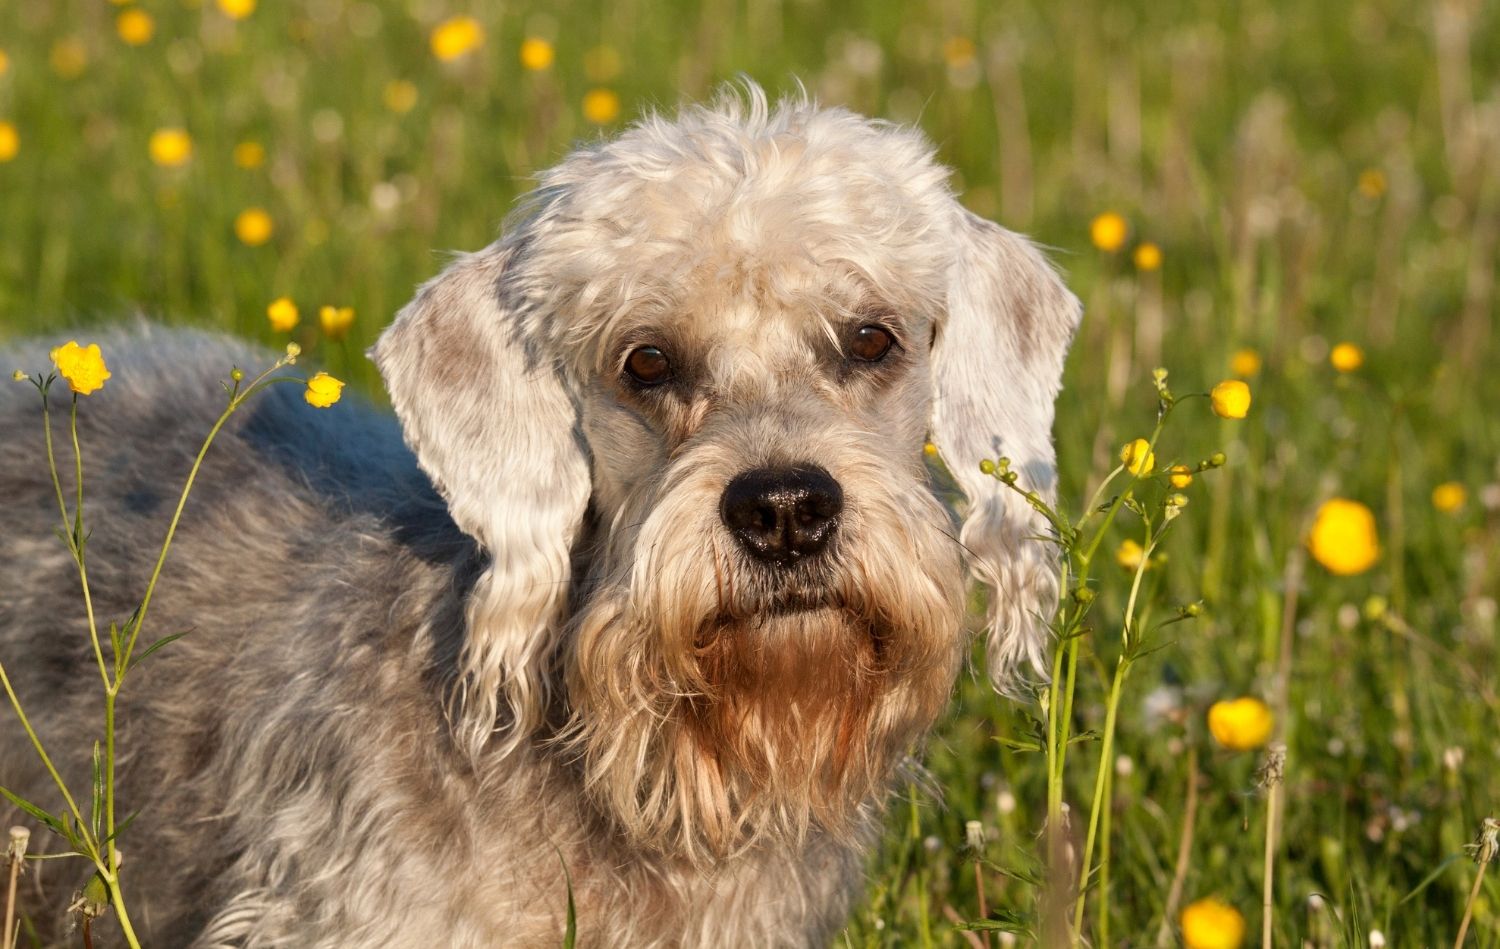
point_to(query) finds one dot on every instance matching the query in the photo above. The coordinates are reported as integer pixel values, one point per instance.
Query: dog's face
(683, 406)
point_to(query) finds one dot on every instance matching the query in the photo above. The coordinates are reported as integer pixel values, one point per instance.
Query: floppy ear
(486, 409)
(997, 365)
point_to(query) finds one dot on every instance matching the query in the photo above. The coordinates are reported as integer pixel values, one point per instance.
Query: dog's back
(309, 564)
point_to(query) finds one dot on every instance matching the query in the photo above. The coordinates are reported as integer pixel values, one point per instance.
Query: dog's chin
(782, 716)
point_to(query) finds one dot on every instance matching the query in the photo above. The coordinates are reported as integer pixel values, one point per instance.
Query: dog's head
(682, 405)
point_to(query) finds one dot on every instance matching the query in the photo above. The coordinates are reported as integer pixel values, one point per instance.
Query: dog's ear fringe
(487, 410)
(997, 367)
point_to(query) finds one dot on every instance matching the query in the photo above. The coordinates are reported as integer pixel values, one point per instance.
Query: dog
(643, 600)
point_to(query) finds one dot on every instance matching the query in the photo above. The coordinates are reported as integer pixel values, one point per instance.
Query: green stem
(924, 926)
(235, 401)
(1099, 780)
(71, 532)
(112, 856)
(117, 899)
(1104, 834)
(41, 752)
(79, 544)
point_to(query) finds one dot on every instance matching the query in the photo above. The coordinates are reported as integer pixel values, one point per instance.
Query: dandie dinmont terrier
(657, 600)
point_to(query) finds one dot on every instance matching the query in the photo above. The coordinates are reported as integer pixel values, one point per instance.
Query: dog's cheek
(626, 453)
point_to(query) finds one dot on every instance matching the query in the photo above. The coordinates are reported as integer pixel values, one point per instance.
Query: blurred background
(1302, 195)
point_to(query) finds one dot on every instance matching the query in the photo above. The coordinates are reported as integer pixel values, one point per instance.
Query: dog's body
(681, 600)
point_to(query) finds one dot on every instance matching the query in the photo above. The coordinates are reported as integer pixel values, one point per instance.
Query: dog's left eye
(870, 344)
(648, 365)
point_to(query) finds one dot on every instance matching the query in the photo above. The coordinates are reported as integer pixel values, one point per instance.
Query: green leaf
(1430, 878)
(1018, 744)
(570, 933)
(34, 811)
(1087, 735)
(1029, 875)
(158, 644)
(120, 827)
(999, 921)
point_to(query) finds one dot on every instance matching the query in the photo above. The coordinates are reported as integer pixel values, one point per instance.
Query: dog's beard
(715, 706)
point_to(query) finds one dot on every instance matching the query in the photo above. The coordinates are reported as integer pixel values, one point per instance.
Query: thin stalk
(234, 403)
(117, 900)
(1463, 926)
(41, 752)
(1272, 774)
(1484, 850)
(1184, 850)
(1107, 749)
(79, 544)
(16, 851)
(1065, 723)
(111, 856)
(923, 924)
(1104, 829)
(984, 910)
(1268, 886)
(111, 688)
(70, 524)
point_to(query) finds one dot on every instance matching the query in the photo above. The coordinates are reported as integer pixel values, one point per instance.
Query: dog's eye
(870, 344)
(648, 365)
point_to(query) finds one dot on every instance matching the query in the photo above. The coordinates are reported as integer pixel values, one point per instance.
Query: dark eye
(870, 344)
(648, 365)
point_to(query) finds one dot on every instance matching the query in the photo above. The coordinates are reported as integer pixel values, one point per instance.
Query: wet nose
(782, 515)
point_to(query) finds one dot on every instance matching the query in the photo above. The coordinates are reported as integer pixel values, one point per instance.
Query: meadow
(1303, 196)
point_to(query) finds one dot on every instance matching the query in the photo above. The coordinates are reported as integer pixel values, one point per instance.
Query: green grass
(1232, 135)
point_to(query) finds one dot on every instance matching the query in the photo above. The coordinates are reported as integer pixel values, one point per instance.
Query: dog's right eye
(648, 365)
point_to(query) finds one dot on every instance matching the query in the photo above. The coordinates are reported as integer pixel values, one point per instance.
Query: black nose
(782, 515)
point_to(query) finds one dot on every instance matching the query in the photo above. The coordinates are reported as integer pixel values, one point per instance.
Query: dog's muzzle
(782, 516)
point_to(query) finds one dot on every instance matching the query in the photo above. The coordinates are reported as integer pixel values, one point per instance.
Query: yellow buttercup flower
(537, 54)
(283, 314)
(958, 51)
(456, 37)
(336, 320)
(1346, 357)
(170, 147)
(249, 155)
(323, 390)
(135, 26)
(236, 9)
(1372, 182)
(1449, 496)
(1180, 475)
(10, 142)
(253, 226)
(1245, 363)
(1240, 724)
(1130, 555)
(1343, 537)
(83, 368)
(929, 449)
(601, 106)
(400, 96)
(1147, 256)
(1108, 231)
(69, 57)
(1138, 457)
(4, 63)
(1230, 399)
(1211, 924)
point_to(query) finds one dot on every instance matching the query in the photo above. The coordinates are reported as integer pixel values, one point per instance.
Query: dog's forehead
(805, 211)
